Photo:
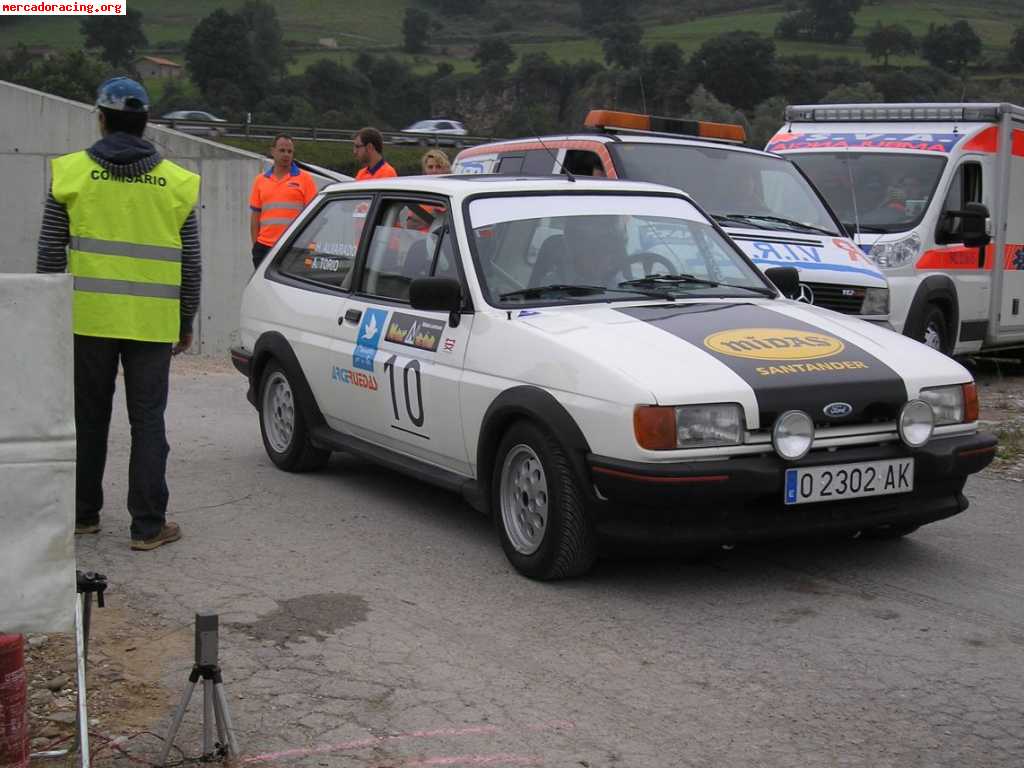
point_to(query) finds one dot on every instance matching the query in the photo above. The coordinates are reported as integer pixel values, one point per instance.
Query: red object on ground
(13, 703)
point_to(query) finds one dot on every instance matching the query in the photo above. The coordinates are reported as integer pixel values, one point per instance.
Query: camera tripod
(215, 702)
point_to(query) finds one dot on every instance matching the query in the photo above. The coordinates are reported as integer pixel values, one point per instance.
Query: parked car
(590, 361)
(188, 118)
(763, 201)
(436, 131)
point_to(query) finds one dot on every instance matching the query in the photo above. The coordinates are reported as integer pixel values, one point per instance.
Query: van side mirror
(437, 294)
(786, 279)
(974, 224)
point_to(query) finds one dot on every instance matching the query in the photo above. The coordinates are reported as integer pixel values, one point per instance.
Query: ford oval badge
(838, 410)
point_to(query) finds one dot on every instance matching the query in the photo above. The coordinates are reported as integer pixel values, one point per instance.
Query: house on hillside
(154, 66)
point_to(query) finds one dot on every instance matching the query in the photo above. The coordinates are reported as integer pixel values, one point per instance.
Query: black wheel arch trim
(540, 406)
(935, 289)
(274, 346)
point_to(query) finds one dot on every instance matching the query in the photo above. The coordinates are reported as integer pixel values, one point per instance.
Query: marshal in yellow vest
(125, 250)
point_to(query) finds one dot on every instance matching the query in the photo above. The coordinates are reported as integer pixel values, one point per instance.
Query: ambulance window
(581, 162)
(965, 188)
(510, 164)
(539, 162)
(325, 249)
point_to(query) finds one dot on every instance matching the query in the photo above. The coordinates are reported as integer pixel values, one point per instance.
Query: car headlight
(916, 423)
(954, 404)
(662, 428)
(876, 302)
(896, 253)
(793, 435)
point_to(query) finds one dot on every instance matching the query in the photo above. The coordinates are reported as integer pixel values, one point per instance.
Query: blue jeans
(146, 372)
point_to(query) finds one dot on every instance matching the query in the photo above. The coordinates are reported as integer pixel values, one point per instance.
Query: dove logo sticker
(368, 339)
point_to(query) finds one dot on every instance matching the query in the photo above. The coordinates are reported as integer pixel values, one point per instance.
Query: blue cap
(122, 94)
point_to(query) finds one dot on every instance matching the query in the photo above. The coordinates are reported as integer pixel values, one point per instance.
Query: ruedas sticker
(774, 344)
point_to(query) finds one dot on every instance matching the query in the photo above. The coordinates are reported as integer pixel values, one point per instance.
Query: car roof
(617, 138)
(464, 185)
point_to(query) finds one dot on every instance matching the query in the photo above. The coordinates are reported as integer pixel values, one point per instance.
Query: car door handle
(352, 315)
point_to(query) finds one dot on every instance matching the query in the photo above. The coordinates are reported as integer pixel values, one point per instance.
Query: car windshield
(555, 249)
(741, 189)
(874, 192)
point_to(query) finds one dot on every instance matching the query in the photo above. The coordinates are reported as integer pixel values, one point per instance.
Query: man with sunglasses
(368, 148)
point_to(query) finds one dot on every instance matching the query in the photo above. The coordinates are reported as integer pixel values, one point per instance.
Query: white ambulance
(934, 194)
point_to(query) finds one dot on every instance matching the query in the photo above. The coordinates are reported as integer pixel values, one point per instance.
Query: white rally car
(593, 361)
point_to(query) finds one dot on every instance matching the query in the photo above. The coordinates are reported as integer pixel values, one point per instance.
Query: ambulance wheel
(934, 330)
(539, 506)
(282, 425)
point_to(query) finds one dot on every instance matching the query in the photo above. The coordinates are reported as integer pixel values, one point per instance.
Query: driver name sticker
(922, 142)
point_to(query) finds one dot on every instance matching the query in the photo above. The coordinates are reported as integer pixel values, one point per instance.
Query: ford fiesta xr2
(591, 361)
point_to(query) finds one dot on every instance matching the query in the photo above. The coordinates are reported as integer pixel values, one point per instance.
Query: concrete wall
(36, 127)
(37, 455)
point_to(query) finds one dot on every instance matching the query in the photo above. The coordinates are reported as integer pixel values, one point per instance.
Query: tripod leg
(222, 701)
(209, 715)
(179, 715)
(222, 733)
(82, 606)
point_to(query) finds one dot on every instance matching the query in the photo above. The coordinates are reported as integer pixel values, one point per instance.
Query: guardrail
(251, 130)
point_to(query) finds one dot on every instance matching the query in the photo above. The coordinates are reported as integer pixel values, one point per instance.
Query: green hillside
(530, 25)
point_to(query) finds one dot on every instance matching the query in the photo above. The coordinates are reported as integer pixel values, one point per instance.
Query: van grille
(838, 298)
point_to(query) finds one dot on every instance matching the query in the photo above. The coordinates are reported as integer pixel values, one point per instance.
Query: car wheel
(284, 429)
(539, 508)
(886, 532)
(934, 330)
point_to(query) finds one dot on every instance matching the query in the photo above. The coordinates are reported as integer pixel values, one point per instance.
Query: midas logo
(774, 344)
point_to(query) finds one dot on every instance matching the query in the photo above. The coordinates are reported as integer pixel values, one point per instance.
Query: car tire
(933, 330)
(539, 508)
(283, 426)
(889, 532)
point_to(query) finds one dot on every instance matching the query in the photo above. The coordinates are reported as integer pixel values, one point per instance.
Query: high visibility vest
(125, 249)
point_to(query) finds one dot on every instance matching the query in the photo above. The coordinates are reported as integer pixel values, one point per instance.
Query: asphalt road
(370, 620)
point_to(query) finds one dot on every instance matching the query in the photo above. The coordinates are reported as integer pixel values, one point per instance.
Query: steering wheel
(649, 260)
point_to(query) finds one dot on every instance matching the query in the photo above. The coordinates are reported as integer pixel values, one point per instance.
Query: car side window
(510, 164)
(325, 250)
(402, 248)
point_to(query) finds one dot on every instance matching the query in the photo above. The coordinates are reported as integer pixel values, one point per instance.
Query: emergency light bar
(893, 113)
(607, 119)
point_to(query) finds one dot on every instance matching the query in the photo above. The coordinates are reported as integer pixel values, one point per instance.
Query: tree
(704, 106)
(71, 74)
(265, 38)
(951, 46)
(861, 93)
(622, 44)
(888, 40)
(666, 79)
(1017, 47)
(599, 14)
(117, 37)
(827, 21)
(737, 67)
(415, 30)
(494, 56)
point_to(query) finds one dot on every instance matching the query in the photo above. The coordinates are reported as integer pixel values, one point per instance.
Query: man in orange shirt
(278, 196)
(368, 147)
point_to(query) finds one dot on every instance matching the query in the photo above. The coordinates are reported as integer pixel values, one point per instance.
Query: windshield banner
(919, 142)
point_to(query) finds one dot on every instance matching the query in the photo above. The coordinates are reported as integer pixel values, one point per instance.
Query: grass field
(377, 27)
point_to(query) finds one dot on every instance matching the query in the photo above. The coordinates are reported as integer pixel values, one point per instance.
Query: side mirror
(786, 279)
(975, 228)
(437, 294)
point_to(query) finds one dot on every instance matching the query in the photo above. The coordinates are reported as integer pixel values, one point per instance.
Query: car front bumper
(741, 499)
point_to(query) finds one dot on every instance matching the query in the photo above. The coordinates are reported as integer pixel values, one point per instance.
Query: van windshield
(741, 189)
(874, 192)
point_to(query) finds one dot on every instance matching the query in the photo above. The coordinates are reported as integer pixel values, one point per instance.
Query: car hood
(768, 355)
(819, 258)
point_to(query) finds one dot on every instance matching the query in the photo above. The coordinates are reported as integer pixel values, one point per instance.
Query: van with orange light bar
(930, 191)
(762, 201)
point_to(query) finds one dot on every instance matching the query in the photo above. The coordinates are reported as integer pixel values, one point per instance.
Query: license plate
(849, 481)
